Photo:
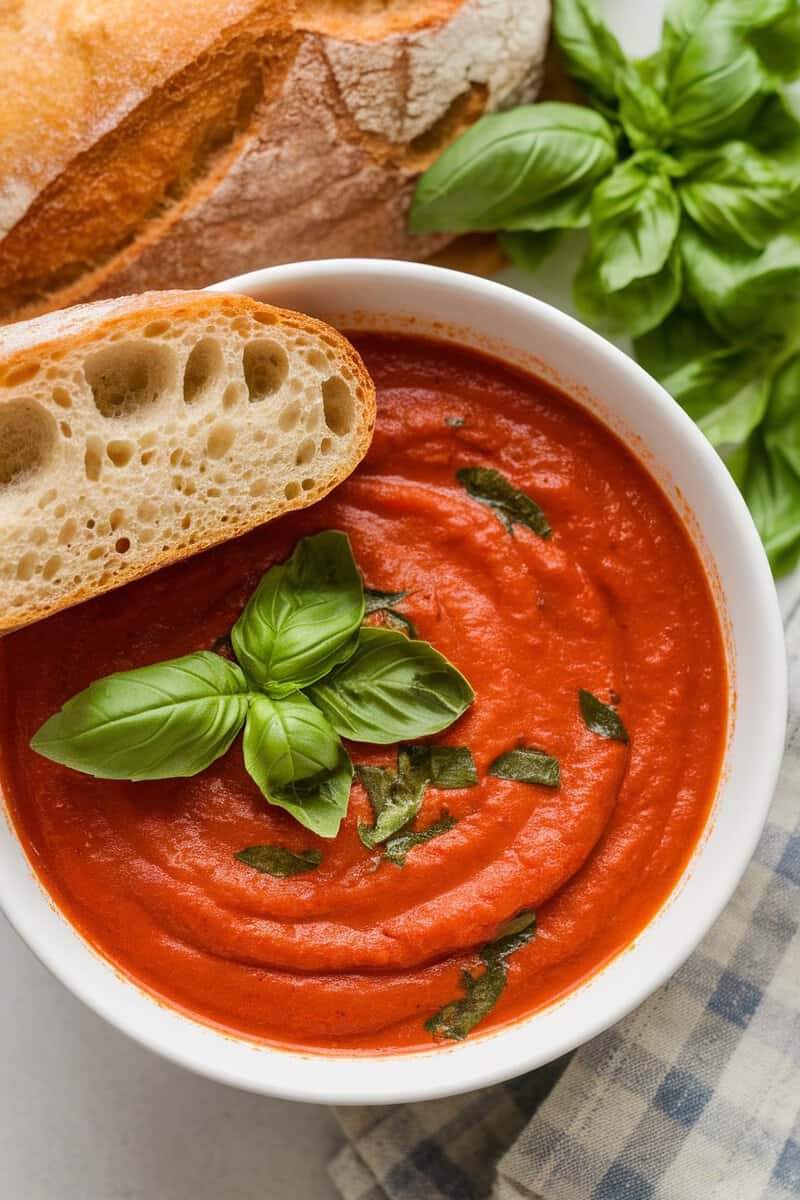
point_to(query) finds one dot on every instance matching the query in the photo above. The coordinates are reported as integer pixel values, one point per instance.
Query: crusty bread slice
(134, 432)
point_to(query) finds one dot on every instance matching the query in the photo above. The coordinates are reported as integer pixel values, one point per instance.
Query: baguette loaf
(159, 143)
(135, 432)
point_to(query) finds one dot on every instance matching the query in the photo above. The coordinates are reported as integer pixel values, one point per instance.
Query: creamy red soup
(358, 953)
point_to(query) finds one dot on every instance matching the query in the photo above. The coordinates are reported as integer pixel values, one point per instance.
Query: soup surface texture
(358, 953)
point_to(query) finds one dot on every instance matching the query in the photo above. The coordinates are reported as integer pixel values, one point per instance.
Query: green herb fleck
(396, 797)
(527, 766)
(457, 1019)
(510, 505)
(454, 422)
(278, 861)
(601, 718)
(398, 847)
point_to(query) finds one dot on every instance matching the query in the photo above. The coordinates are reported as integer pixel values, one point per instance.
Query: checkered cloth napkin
(695, 1096)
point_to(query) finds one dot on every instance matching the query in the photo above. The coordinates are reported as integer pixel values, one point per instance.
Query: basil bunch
(308, 673)
(686, 174)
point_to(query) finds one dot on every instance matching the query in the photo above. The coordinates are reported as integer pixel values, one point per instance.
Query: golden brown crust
(55, 334)
(140, 151)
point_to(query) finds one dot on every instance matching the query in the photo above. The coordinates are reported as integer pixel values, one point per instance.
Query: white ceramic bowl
(402, 296)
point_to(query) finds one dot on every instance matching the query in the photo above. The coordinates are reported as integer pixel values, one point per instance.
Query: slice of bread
(137, 431)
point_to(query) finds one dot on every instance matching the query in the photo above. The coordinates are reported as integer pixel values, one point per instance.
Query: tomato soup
(358, 953)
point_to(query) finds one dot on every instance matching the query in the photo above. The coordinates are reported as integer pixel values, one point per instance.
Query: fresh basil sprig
(301, 627)
(457, 1019)
(688, 178)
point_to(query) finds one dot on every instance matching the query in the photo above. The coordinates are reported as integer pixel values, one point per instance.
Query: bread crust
(57, 333)
(235, 134)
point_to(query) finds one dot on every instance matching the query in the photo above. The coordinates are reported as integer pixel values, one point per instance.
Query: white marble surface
(85, 1114)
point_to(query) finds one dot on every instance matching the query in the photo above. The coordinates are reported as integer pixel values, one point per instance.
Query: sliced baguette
(137, 431)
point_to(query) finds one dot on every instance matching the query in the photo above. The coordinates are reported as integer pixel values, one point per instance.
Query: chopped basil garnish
(527, 766)
(445, 766)
(482, 992)
(278, 861)
(601, 719)
(512, 507)
(374, 600)
(398, 846)
(396, 797)
(454, 422)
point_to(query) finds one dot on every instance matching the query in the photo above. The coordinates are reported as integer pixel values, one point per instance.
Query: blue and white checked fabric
(695, 1096)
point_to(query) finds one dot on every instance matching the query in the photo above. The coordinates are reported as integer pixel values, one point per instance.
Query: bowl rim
(501, 1054)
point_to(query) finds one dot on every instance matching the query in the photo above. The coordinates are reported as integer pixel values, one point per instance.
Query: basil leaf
(392, 689)
(298, 762)
(744, 293)
(529, 250)
(644, 115)
(446, 767)
(724, 393)
(394, 806)
(532, 167)
(632, 310)
(278, 861)
(635, 217)
(782, 423)
(601, 719)
(303, 617)
(398, 847)
(770, 474)
(778, 45)
(510, 505)
(169, 720)
(737, 195)
(511, 936)
(374, 600)
(716, 82)
(683, 336)
(377, 783)
(777, 134)
(527, 766)
(772, 491)
(591, 52)
(456, 1020)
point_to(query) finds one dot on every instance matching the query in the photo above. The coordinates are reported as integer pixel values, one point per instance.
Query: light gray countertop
(86, 1114)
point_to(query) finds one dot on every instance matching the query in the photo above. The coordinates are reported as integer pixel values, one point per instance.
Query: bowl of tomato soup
(630, 636)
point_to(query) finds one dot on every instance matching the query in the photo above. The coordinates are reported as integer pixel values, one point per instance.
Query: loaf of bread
(160, 143)
(135, 432)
